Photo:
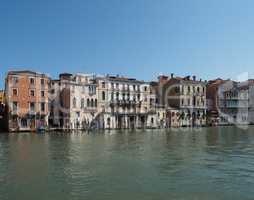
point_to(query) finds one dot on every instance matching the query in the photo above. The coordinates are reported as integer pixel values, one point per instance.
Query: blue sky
(137, 38)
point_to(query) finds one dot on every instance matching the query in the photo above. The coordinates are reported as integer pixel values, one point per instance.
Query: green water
(207, 163)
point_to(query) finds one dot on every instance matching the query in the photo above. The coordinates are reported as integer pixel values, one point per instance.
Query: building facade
(234, 103)
(86, 101)
(3, 113)
(27, 100)
(184, 100)
(125, 103)
(251, 102)
(73, 101)
(2, 97)
(212, 99)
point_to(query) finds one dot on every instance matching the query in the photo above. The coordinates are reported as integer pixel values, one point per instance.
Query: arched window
(152, 120)
(95, 103)
(108, 121)
(92, 103)
(88, 103)
(82, 103)
(103, 95)
(74, 102)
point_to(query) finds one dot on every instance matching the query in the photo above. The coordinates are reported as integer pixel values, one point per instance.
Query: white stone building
(125, 103)
(235, 103)
(73, 101)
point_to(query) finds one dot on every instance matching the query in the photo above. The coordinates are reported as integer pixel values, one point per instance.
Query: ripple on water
(209, 163)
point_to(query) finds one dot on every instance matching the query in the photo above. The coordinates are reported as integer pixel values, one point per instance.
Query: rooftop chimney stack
(172, 75)
(194, 78)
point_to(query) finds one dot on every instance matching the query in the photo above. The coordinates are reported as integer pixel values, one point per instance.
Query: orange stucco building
(27, 97)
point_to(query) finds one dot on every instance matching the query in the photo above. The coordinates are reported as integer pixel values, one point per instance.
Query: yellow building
(1, 96)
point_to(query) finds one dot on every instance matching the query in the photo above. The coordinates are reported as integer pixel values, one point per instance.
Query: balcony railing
(122, 102)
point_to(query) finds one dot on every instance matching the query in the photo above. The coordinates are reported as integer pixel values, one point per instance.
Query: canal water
(181, 164)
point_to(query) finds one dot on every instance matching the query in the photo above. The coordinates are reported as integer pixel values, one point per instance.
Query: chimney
(172, 75)
(162, 78)
(200, 80)
(194, 78)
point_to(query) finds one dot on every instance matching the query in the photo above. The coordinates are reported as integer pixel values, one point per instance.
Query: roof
(187, 79)
(154, 83)
(123, 79)
(243, 87)
(65, 74)
(18, 72)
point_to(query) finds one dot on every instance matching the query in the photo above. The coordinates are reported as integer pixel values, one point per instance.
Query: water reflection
(207, 163)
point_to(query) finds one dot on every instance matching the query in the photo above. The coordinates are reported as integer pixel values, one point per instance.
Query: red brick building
(27, 97)
(213, 101)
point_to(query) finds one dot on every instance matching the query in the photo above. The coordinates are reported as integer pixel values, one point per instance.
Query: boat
(41, 129)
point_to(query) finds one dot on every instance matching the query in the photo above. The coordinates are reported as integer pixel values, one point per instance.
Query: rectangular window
(15, 106)
(42, 81)
(103, 84)
(43, 107)
(15, 92)
(32, 106)
(103, 95)
(32, 93)
(32, 81)
(14, 80)
(78, 114)
(42, 94)
(83, 89)
(92, 89)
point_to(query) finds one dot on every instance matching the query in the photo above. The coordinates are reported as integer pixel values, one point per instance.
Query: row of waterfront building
(33, 100)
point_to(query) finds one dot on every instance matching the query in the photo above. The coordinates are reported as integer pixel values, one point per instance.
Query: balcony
(32, 112)
(90, 109)
(14, 112)
(125, 102)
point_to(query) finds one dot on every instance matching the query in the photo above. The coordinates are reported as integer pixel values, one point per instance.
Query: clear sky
(137, 38)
